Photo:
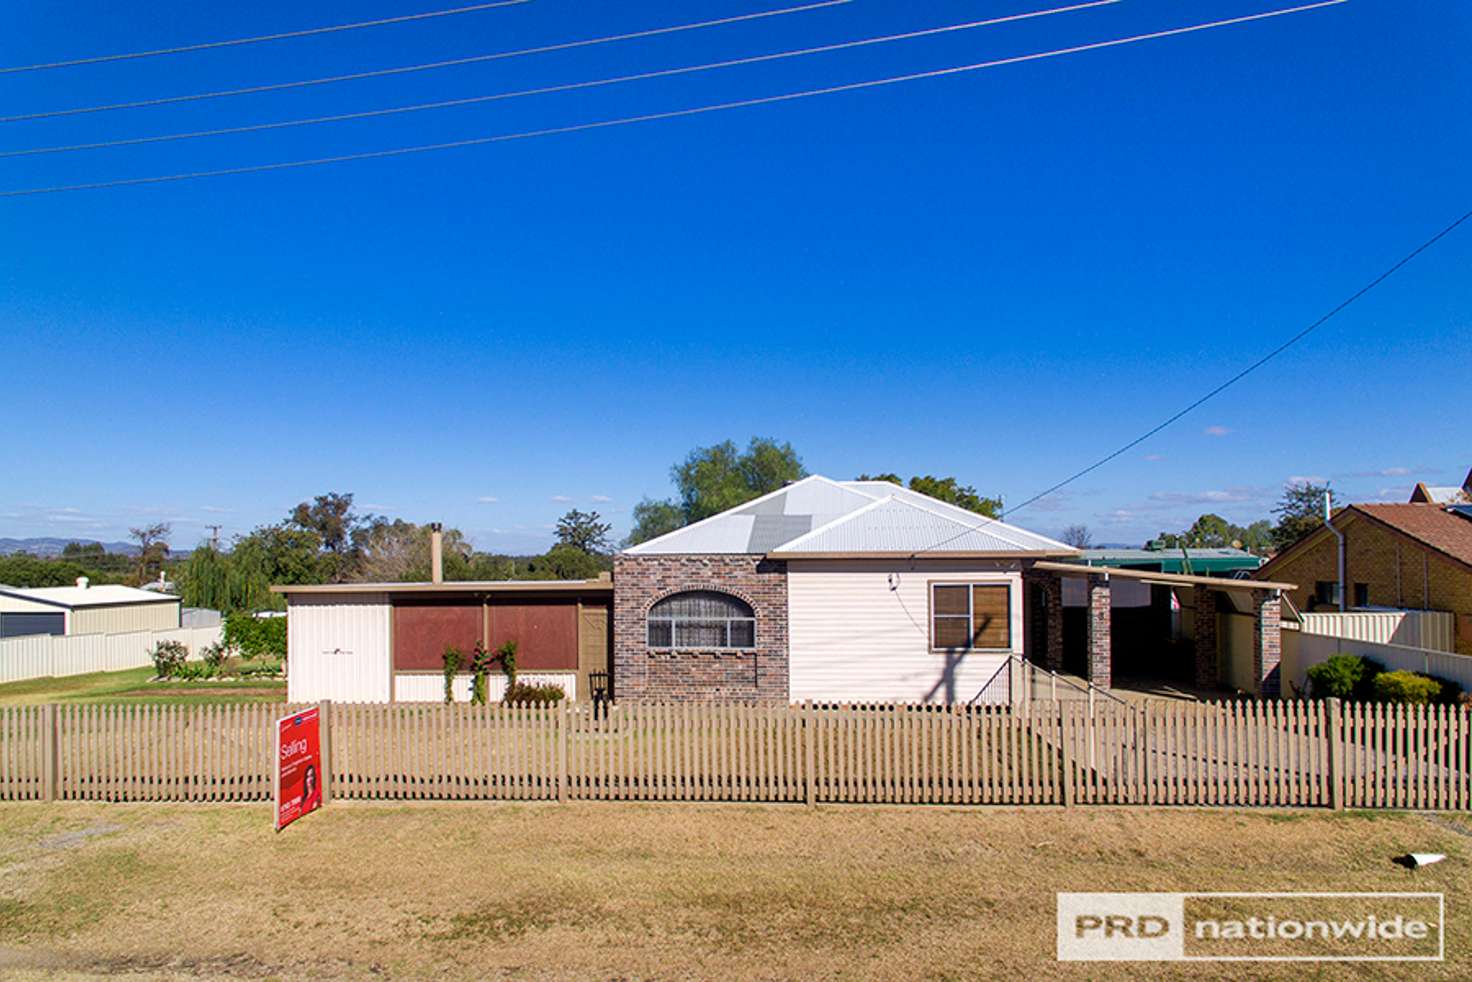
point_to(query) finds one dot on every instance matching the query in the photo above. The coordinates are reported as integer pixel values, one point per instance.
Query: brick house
(1415, 556)
(833, 590)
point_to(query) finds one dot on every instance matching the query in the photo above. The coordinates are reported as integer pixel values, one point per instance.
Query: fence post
(562, 712)
(324, 731)
(1065, 731)
(50, 758)
(1336, 753)
(810, 756)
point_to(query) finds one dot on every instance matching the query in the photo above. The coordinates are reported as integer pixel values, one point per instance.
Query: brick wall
(639, 672)
(1397, 571)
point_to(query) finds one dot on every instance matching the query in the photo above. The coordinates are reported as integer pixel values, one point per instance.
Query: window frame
(674, 646)
(971, 586)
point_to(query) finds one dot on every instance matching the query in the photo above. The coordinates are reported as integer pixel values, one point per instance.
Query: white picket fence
(43, 655)
(1302, 650)
(1432, 629)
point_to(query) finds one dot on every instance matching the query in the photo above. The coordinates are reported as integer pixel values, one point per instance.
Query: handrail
(1006, 666)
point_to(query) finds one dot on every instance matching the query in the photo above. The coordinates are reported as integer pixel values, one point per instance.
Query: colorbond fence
(1319, 754)
(43, 655)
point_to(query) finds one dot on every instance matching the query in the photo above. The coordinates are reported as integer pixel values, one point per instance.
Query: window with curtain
(970, 615)
(702, 619)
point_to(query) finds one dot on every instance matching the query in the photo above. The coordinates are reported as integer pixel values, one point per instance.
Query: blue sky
(999, 275)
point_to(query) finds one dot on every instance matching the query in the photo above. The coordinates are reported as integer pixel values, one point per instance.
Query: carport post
(324, 739)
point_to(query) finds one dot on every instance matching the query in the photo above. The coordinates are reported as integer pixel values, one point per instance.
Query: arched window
(702, 619)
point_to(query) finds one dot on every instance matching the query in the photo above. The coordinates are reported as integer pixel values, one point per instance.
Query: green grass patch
(133, 687)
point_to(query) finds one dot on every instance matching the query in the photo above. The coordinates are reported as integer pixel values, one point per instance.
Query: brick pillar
(1051, 587)
(1267, 642)
(1206, 642)
(1101, 671)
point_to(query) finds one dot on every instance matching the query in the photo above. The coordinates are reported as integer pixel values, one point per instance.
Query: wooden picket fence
(1300, 754)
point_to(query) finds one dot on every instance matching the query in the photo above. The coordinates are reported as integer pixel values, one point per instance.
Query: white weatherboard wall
(338, 648)
(857, 630)
(43, 656)
(429, 687)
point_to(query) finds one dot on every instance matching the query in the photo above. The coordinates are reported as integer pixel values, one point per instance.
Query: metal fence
(44, 655)
(1271, 753)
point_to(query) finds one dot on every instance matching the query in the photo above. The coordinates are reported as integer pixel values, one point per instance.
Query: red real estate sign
(298, 766)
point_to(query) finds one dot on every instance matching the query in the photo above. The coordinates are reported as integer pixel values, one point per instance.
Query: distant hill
(49, 546)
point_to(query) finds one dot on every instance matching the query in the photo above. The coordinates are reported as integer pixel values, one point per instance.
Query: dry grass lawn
(655, 892)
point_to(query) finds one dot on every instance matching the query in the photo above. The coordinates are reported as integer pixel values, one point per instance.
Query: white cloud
(601, 498)
(1153, 457)
(488, 499)
(215, 509)
(561, 498)
(1395, 472)
(1217, 430)
(376, 505)
(1307, 479)
(1204, 497)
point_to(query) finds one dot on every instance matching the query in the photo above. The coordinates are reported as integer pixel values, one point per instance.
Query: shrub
(1342, 676)
(255, 637)
(168, 658)
(214, 656)
(1406, 687)
(192, 671)
(521, 694)
(453, 658)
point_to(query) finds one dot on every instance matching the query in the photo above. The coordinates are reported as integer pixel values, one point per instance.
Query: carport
(1261, 599)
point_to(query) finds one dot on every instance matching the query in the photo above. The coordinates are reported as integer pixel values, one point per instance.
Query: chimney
(436, 553)
(82, 582)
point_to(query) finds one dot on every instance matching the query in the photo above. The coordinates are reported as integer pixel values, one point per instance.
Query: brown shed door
(422, 631)
(546, 634)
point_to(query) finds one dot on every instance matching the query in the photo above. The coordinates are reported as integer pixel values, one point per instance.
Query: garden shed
(85, 609)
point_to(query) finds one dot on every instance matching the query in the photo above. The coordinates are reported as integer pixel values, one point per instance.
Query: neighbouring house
(385, 642)
(1412, 556)
(1443, 495)
(85, 609)
(851, 591)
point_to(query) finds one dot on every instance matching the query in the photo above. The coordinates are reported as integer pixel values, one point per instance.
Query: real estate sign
(298, 766)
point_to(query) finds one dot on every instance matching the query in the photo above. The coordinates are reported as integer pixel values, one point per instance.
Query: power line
(567, 87)
(427, 66)
(671, 114)
(279, 36)
(1320, 322)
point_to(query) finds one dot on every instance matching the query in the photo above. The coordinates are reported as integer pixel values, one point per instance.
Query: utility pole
(214, 536)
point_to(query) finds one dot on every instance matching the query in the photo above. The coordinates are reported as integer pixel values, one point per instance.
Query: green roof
(1199, 561)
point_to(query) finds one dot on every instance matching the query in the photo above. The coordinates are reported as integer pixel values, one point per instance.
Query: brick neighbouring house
(1413, 556)
(824, 590)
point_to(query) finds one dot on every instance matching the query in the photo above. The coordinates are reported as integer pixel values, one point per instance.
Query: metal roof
(821, 516)
(1215, 560)
(601, 585)
(1165, 579)
(102, 595)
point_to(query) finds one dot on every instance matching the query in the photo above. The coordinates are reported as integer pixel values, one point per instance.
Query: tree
(1257, 538)
(565, 562)
(653, 519)
(947, 489)
(584, 530)
(712, 479)
(1078, 536)
(1211, 532)
(24, 570)
(1299, 511)
(153, 548)
(332, 517)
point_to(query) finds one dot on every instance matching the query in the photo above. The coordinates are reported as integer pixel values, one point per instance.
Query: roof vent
(82, 582)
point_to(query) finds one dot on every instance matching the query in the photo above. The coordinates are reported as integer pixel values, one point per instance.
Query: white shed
(85, 609)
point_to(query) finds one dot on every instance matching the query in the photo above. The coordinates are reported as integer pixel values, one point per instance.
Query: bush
(521, 694)
(1406, 687)
(193, 671)
(168, 658)
(1343, 677)
(255, 637)
(214, 656)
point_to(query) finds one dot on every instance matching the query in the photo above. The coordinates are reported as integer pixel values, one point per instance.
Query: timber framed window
(970, 616)
(703, 620)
